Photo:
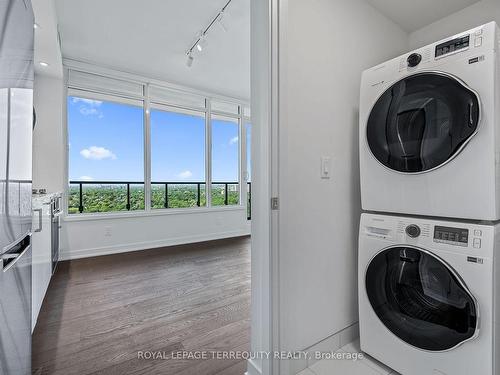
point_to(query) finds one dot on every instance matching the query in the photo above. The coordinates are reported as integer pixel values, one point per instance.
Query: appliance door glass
(15, 309)
(420, 299)
(422, 122)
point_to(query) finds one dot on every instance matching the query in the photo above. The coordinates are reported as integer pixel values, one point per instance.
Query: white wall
(468, 18)
(48, 140)
(91, 237)
(328, 43)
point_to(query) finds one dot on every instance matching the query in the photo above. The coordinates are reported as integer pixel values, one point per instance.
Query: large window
(177, 159)
(137, 147)
(106, 155)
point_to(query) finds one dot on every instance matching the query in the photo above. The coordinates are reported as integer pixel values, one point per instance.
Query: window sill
(156, 212)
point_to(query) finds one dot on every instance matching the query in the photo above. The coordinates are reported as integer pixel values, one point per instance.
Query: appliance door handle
(11, 256)
(471, 115)
(40, 223)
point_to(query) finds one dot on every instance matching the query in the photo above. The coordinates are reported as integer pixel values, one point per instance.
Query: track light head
(202, 42)
(190, 60)
(221, 22)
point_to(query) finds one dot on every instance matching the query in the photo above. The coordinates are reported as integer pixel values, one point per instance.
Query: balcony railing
(110, 196)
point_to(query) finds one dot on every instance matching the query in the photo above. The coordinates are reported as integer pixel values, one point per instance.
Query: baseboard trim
(145, 245)
(252, 368)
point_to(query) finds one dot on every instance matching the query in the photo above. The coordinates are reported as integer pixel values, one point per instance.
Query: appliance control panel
(451, 235)
(474, 239)
(453, 45)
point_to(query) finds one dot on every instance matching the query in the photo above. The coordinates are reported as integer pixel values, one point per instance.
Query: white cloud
(86, 178)
(89, 107)
(90, 102)
(86, 111)
(233, 140)
(97, 153)
(185, 174)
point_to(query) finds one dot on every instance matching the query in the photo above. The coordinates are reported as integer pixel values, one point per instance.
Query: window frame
(128, 100)
(89, 92)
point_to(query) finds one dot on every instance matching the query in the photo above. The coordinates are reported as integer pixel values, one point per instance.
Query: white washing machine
(429, 294)
(430, 129)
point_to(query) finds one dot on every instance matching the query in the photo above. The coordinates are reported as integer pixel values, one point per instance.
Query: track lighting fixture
(202, 42)
(201, 38)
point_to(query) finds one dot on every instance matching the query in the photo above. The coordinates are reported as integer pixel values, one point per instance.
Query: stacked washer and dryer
(429, 242)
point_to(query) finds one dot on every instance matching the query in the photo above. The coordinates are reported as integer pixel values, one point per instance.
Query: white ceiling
(412, 15)
(46, 43)
(150, 38)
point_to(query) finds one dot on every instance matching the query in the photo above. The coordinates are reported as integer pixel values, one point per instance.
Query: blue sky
(106, 144)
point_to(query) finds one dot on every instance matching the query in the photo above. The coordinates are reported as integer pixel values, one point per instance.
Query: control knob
(413, 231)
(414, 59)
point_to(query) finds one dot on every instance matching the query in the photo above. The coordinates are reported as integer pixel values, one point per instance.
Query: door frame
(266, 36)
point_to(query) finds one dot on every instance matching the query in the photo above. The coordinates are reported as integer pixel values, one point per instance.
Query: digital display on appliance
(452, 45)
(459, 235)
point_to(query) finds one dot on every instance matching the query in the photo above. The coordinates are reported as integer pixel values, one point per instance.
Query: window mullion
(241, 160)
(147, 149)
(208, 153)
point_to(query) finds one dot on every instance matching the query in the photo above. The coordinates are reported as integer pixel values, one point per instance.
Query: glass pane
(106, 155)
(180, 195)
(177, 159)
(225, 194)
(420, 300)
(105, 197)
(225, 161)
(422, 122)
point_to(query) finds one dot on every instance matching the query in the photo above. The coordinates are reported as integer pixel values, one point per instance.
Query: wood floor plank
(100, 313)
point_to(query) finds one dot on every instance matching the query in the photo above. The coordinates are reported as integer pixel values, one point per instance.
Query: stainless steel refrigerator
(16, 122)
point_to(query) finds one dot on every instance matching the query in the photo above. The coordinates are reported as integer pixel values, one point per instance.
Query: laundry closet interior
(395, 253)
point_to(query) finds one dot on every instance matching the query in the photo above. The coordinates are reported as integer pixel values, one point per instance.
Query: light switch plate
(326, 167)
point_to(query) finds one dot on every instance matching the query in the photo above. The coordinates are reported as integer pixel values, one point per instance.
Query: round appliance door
(420, 299)
(422, 122)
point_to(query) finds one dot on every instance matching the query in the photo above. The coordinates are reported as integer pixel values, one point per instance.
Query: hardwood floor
(100, 313)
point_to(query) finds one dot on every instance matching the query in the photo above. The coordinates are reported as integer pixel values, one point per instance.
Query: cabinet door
(42, 265)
